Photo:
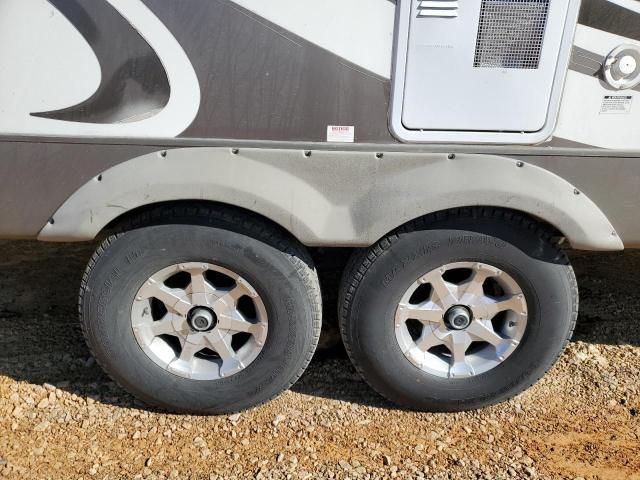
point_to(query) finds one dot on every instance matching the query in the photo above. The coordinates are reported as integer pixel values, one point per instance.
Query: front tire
(208, 319)
(458, 311)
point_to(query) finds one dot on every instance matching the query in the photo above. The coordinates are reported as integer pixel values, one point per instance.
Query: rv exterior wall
(198, 78)
(222, 138)
(250, 70)
(316, 198)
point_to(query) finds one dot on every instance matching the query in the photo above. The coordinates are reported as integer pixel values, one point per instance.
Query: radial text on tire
(209, 318)
(460, 310)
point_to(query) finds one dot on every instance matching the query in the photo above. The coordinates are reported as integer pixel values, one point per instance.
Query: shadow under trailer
(456, 148)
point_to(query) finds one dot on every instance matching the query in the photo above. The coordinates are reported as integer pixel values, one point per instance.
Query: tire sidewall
(137, 255)
(544, 282)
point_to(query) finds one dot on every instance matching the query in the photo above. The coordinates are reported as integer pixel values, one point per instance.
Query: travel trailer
(458, 148)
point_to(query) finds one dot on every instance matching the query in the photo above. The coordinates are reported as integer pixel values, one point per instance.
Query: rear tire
(250, 253)
(420, 369)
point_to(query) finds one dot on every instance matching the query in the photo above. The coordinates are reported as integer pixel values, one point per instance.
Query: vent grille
(438, 8)
(511, 33)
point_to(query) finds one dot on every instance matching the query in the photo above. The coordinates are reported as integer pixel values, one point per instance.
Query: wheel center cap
(458, 317)
(202, 319)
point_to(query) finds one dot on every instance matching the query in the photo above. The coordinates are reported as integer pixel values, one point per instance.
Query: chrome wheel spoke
(474, 286)
(458, 344)
(222, 346)
(428, 340)
(461, 334)
(420, 312)
(189, 350)
(159, 291)
(219, 344)
(161, 327)
(491, 307)
(485, 334)
(191, 337)
(199, 288)
(230, 298)
(230, 366)
(237, 324)
(443, 292)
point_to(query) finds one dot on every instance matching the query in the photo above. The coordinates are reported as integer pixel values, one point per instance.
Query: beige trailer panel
(333, 198)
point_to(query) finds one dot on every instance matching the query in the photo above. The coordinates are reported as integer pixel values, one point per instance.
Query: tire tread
(240, 222)
(362, 261)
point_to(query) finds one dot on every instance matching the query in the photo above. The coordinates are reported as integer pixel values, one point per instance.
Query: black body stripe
(261, 81)
(610, 17)
(134, 82)
(590, 63)
(257, 79)
(586, 62)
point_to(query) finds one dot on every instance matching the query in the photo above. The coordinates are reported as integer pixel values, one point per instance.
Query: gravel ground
(60, 417)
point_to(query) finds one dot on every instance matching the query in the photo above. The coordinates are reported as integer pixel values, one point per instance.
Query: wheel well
(163, 212)
(487, 211)
(156, 213)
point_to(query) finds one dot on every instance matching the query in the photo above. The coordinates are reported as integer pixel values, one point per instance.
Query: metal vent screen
(511, 33)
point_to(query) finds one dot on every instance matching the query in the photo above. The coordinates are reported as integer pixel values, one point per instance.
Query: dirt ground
(61, 417)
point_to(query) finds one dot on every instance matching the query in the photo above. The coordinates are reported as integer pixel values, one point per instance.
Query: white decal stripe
(599, 41)
(184, 103)
(47, 66)
(580, 119)
(633, 5)
(360, 31)
(180, 111)
(438, 8)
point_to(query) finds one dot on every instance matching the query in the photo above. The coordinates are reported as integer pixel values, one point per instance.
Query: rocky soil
(60, 417)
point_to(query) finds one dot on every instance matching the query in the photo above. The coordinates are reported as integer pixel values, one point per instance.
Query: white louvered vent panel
(480, 69)
(511, 33)
(438, 8)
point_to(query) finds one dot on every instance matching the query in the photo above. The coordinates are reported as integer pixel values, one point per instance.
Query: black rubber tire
(274, 264)
(377, 278)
